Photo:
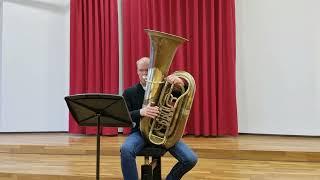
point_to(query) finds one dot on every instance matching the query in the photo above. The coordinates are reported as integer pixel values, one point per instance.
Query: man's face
(142, 69)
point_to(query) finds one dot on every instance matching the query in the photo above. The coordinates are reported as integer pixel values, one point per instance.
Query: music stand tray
(100, 110)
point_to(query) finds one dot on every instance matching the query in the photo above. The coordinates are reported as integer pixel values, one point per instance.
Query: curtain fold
(209, 55)
(94, 60)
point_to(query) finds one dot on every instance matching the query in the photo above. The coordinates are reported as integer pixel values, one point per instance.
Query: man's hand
(173, 79)
(150, 111)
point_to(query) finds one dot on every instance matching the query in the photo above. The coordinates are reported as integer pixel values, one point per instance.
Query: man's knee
(192, 160)
(126, 150)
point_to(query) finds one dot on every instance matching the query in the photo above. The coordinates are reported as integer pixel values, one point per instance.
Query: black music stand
(101, 110)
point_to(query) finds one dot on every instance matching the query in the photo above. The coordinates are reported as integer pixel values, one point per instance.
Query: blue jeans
(134, 143)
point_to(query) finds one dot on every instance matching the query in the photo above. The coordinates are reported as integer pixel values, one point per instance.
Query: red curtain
(94, 49)
(209, 55)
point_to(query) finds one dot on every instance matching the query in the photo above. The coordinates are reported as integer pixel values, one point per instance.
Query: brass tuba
(174, 102)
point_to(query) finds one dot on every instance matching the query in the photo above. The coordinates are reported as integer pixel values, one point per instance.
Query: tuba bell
(174, 102)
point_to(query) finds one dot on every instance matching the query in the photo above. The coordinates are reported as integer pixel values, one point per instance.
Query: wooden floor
(57, 156)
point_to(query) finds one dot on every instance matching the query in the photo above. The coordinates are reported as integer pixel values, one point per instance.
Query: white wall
(278, 66)
(34, 65)
(1, 15)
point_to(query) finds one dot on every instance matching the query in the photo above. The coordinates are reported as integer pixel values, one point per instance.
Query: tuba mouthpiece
(144, 77)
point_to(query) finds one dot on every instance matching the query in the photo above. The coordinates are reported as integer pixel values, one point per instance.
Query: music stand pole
(98, 149)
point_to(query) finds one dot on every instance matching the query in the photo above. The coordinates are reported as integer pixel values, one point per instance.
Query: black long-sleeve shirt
(134, 98)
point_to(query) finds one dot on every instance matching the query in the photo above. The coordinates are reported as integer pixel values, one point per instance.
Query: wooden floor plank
(34, 156)
(84, 166)
(242, 142)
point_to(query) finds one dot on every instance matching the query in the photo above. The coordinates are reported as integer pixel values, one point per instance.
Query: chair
(151, 170)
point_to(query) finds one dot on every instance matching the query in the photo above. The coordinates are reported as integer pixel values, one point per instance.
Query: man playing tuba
(135, 142)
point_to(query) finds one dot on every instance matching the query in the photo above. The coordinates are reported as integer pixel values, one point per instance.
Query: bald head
(142, 69)
(142, 61)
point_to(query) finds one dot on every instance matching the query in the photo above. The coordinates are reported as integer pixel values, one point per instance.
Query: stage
(58, 156)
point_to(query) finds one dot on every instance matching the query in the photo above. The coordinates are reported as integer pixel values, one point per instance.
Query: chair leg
(146, 172)
(157, 169)
(151, 171)
(146, 169)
